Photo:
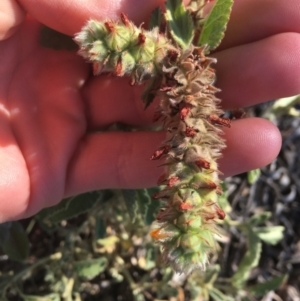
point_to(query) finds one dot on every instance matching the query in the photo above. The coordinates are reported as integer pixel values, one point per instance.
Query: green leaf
(50, 297)
(215, 24)
(148, 207)
(249, 261)
(150, 258)
(150, 216)
(260, 218)
(156, 18)
(130, 199)
(285, 105)
(180, 23)
(218, 295)
(14, 241)
(100, 228)
(270, 235)
(253, 175)
(263, 288)
(69, 208)
(89, 269)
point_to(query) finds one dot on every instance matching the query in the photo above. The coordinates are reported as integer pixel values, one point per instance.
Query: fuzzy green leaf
(218, 295)
(130, 199)
(89, 269)
(180, 23)
(253, 175)
(270, 235)
(223, 199)
(50, 297)
(69, 208)
(148, 207)
(249, 261)
(263, 288)
(100, 228)
(14, 241)
(215, 24)
(156, 18)
(260, 218)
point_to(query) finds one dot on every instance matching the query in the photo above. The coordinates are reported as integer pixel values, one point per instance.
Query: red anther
(109, 26)
(173, 55)
(119, 67)
(141, 38)
(201, 163)
(219, 190)
(219, 120)
(185, 206)
(209, 216)
(125, 20)
(165, 89)
(221, 214)
(208, 185)
(190, 132)
(160, 152)
(184, 112)
(162, 179)
(172, 181)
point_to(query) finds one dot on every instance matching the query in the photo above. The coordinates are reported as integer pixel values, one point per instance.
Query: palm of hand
(42, 118)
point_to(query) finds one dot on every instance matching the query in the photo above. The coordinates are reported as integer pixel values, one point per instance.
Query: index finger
(69, 16)
(253, 20)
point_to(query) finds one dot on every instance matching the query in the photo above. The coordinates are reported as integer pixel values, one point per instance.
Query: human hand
(51, 106)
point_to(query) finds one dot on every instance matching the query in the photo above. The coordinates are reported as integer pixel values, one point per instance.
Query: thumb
(11, 16)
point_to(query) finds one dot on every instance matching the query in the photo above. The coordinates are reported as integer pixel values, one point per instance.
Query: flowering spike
(220, 121)
(125, 20)
(185, 226)
(101, 42)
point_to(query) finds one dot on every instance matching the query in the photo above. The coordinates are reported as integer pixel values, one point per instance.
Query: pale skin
(51, 106)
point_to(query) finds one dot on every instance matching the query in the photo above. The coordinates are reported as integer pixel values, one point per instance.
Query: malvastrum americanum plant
(171, 60)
